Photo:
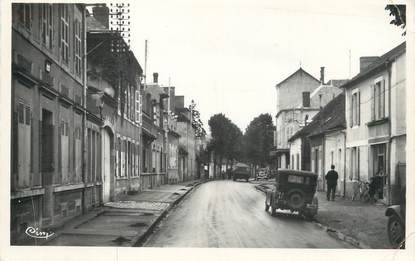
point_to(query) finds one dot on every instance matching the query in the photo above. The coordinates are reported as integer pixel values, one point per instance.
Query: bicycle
(362, 192)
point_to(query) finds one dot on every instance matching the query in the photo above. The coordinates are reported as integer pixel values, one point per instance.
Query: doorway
(106, 166)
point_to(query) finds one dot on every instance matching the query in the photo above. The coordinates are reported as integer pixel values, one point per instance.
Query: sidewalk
(361, 224)
(127, 222)
(364, 222)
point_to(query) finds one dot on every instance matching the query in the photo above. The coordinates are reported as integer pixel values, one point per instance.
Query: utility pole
(350, 64)
(145, 63)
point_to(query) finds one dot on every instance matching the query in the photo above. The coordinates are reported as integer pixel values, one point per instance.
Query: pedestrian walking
(331, 178)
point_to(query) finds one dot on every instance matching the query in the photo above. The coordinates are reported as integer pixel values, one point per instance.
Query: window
(127, 102)
(306, 99)
(64, 32)
(77, 47)
(20, 112)
(292, 161)
(379, 160)
(132, 103)
(295, 179)
(355, 164)
(355, 109)
(378, 100)
(25, 15)
(137, 106)
(298, 161)
(46, 13)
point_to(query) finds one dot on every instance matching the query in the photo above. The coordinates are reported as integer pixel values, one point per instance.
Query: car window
(295, 179)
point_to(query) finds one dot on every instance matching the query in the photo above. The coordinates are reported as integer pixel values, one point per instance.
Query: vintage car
(241, 171)
(396, 215)
(294, 190)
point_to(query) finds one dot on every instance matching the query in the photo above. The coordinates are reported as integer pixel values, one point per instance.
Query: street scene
(208, 125)
(231, 214)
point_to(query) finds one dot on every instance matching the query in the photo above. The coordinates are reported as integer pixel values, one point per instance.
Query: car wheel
(296, 199)
(396, 231)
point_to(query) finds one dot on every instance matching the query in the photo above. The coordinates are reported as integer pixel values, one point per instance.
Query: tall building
(48, 177)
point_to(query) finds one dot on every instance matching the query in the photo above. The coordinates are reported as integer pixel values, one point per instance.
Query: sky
(228, 55)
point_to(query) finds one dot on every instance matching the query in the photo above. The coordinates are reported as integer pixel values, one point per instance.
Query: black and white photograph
(222, 124)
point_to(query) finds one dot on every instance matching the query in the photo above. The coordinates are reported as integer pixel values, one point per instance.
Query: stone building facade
(49, 184)
(376, 121)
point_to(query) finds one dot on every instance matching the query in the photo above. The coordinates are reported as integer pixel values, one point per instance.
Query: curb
(331, 231)
(341, 236)
(140, 239)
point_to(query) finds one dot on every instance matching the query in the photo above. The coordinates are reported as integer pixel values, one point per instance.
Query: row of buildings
(87, 126)
(358, 125)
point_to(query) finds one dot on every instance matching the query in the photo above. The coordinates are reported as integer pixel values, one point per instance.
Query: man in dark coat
(331, 178)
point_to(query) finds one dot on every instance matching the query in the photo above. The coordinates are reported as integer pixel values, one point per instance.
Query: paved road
(231, 214)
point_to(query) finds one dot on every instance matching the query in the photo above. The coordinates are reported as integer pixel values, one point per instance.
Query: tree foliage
(398, 12)
(196, 121)
(226, 137)
(258, 139)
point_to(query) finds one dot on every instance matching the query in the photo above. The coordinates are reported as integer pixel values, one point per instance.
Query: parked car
(262, 174)
(241, 171)
(294, 190)
(396, 216)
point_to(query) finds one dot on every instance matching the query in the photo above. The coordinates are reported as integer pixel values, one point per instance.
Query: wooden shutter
(358, 162)
(358, 108)
(382, 98)
(351, 110)
(15, 147)
(372, 97)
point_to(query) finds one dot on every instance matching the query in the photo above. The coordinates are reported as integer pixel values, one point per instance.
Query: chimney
(155, 77)
(101, 14)
(365, 61)
(322, 75)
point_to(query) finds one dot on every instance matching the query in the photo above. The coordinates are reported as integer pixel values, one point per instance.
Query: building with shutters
(376, 121)
(187, 142)
(291, 115)
(154, 135)
(47, 177)
(172, 137)
(114, 97)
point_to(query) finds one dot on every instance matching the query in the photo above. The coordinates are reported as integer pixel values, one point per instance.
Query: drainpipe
(388, 67)
(344, 165)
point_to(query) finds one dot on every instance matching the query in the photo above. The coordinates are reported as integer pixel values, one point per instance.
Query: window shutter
(372, 98)
(358, 162)
(60, 129)
(351, 110)
(358, 108)
(382, 100)
(31, 142)
(15, 142)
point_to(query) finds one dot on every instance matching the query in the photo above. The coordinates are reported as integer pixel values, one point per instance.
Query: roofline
(300, 69)
(383, 65)
(335, 128)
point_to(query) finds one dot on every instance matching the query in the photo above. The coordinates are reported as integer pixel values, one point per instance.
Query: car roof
(296, 172)
(240, 164)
